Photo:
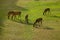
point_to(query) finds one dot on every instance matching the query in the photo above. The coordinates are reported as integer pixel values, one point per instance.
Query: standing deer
(13, 14)
(26, 18)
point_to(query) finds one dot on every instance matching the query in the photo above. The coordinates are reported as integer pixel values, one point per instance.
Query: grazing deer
(46, 10)
(39, 20)
(13, 13)
(26, 18)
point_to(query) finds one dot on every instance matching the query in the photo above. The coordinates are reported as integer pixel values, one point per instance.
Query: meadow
(16, 30)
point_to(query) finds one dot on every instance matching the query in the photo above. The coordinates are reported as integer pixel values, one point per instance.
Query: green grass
(19, 31)
(36, 8)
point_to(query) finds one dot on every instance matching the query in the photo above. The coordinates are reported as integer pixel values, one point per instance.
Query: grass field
(19, 31)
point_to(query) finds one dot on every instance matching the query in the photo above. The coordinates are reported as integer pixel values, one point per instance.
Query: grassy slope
(35, 10)
(17, 31)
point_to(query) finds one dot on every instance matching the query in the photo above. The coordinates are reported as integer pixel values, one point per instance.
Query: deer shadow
(55, 16)
(49, 28)
(23, 22)
(1, 31)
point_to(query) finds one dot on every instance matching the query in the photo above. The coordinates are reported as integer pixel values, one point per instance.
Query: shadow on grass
(55, 16)
(21, 8)
(1, 30)
(48, 28)
(36, 0)
(23, 22)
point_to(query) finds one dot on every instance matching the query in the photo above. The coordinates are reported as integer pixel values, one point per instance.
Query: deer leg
(49, 12)
(27, 20)
(12, 17)
(15, 17)
(8, 16)
(34, 24)
(19, 16)
(41, 22)
(43, 13)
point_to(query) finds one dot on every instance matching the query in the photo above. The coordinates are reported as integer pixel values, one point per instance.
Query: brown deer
(46, 10)
(13, 13)
(39, 20)
(26, 18)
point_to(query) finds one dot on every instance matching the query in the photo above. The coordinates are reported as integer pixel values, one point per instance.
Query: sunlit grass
(35, 10)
